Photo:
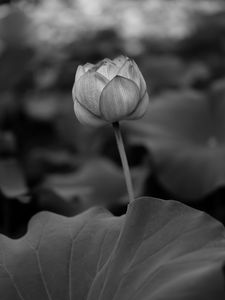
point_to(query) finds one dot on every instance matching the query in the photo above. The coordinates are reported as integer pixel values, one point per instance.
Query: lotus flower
(109, 91)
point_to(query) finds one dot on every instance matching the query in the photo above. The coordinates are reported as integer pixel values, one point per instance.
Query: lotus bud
(109, 91)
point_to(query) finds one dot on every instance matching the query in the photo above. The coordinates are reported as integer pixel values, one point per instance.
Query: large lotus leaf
(158, 250)
(185, 133)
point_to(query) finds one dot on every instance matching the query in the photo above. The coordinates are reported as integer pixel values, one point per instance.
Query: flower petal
(88, 66)
(108, 69)
(143, 86)
(140, 109)
(118, 99)
(88, 90)
(80, 71)
(85, 116)
(120, 60)
(127, 70)
(131, 71)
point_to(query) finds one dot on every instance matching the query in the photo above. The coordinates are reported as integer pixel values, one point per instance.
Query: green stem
(126, 169)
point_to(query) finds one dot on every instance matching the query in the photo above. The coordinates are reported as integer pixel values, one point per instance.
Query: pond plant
(158, 250)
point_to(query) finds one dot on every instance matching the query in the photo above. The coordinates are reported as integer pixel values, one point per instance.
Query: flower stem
(126, 169)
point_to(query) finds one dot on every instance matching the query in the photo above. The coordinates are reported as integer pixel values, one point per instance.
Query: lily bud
(109, 91)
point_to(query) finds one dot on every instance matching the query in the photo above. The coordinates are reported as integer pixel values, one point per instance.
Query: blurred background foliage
(48, 161)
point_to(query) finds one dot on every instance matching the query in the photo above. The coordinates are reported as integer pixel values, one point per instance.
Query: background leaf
(184, 132)
(98, 182)
(12, 180)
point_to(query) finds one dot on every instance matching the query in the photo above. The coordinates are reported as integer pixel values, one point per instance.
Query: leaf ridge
(8, 272)
(71, 257)
(42, 276)
(13, 283)
(161, 248)
(36, 251)
(101, 250)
